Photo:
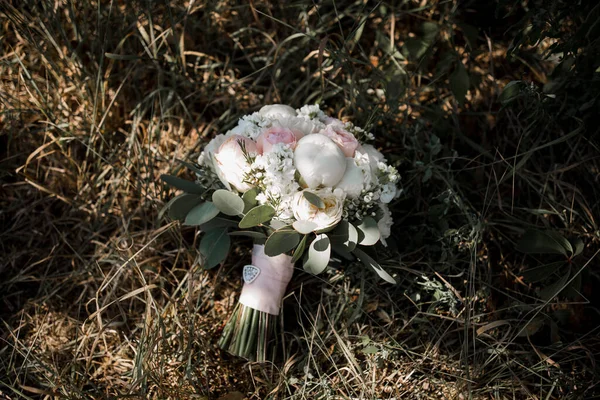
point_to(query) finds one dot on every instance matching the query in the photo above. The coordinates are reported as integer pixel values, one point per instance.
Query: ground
(495, 240)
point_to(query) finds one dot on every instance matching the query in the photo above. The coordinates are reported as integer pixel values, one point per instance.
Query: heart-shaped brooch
(250, 273)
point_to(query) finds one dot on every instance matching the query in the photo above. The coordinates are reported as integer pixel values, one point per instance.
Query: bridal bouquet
(303, 185)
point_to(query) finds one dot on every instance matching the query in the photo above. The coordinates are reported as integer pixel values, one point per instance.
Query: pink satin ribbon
(267, 290)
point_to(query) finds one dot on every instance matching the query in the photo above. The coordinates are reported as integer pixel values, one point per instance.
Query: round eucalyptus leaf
(317, 257)
(257, 216)
(281, 241)
(201, 214)
(214, 247)
(368, 232)
(228, 202)
(304, 227)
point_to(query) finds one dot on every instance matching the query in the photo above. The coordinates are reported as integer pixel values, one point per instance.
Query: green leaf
(195, 169)
(182, 184)
(313, 199)
(218, 222)
(544, 242)
(257, 216)
(249, 198)
(342, 251)
(317, 257)
(578, 246)
(281, 241)
(228, 202)
(512, 91)
(460, 82)
(344, 234)
(542, 272)
(415, 48)
(214, 247)
(252, 234)
(429, 31)
(368, 232)
(201, 214)
(369, 262)
(554, 289)
(299, 249)
(178, 207)
(573, 289)
(304, 227)
(470, 33)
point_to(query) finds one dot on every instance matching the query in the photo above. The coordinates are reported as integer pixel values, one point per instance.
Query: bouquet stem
(249, 331)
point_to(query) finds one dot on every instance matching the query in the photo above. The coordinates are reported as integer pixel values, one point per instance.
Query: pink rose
(340, 136)
(273, 136)
(232, 163)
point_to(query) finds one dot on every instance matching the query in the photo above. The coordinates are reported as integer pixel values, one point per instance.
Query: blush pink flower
(231, 161)
(340, 136)
(273, 136)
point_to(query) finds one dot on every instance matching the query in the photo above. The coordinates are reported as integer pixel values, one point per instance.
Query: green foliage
(317, 256)
(281, 241)
(201, 214)
(228, 202)
(257, 216)
(214, 247)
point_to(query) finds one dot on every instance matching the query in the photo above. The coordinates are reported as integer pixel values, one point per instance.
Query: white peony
(231, 163)
(301, 125)
(353, 181)
(324, 218)
(277, 111)
(319, 161)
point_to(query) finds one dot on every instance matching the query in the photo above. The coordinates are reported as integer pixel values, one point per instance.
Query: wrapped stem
(249, 330)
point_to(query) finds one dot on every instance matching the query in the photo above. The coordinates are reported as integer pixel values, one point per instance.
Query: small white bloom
(388, 192)
(385, 223)
(319, 161)
(311, 111)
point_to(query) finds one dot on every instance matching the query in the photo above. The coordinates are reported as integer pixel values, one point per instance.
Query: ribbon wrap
(266, 291)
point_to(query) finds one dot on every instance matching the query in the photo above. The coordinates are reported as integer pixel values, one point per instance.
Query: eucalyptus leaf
(370, 262)
(299, 250)
(342, 251)
(256, 216)
(281, 241)
(252, 234)
(317, 257)
(228, 202)
(304, 227)
(178, 207)
(368, 232)
(544, 242)
(313, 199)
(344, 234)
(201, 214)
(218, 222)
(214, 247)
(249, 198)
(512, 91)
(182, 184)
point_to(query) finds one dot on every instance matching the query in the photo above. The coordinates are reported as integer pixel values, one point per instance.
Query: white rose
(324, 218)
(353, 181)
(385, 223)
(375, 157)
(277, 110)
(319, 161)
(231, 162)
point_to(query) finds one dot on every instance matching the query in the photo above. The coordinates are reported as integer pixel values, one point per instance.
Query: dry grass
(102, 299)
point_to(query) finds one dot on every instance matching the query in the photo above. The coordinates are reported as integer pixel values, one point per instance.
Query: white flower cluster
(311, 168)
